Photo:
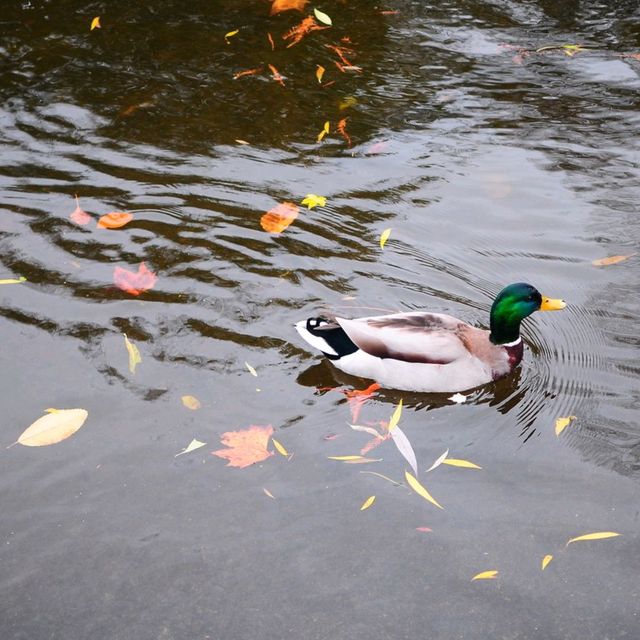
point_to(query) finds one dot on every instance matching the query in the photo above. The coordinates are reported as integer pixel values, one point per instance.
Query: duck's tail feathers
(326, 336)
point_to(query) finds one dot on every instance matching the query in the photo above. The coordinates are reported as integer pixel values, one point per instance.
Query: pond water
(490, 161)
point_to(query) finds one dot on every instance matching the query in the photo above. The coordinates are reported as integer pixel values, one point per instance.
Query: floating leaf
(241, 141)
(455, 462)
(133, 282)
(602, 262)
(268, 493)
(373, 473)
(362, 461)
(230, 35)
(192, 446)
(562, 423)
(114, 220)
(404, 447)
(276, 75)
(439, 461)
(369, 430)
(322, 17)
(271, 42)
(600, 535)
(191, 402)
(485, 575)
(312, 200)
(134, 354)
(247, 72)
(367, 503)
(79, 216)
(279, 448)
(395, 418)
(420, 490)
(276, 220)
(286, 5)
(245, 447)
(545, 561)
(54, 427)
(345, 458)
(13, 280)
(252, 371)
(424, 529)
(319, 72)
(324, 131)
(95, 23)
(458, 398)
(384, 236)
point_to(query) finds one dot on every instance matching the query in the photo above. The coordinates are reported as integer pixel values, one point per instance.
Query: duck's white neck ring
(511, 344)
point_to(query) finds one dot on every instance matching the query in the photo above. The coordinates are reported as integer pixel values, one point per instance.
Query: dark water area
(491, 163)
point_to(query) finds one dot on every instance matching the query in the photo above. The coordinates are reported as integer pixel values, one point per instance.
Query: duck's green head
(512, 305)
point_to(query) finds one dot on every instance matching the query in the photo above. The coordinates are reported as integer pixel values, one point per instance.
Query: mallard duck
(429, 352)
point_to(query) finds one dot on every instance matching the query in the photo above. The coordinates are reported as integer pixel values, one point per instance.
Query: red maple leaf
(245, 447)
(134, 282)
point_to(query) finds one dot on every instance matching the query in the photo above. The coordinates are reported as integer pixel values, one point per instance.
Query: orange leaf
(114, 220)
(276, 75)
(319, 72)
(133, 282)
(341, 51)
(356, 398)
(301, 30)
(280, 217)
(95, 23)
(247, 72)
(342, 130)
(79, 216)
(271, 42)
(287, 5)
(245, 447)
(602, 262)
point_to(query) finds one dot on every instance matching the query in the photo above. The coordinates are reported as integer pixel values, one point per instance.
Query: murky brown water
(489, 166)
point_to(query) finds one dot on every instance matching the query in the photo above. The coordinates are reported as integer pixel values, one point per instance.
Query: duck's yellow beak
(551, 304)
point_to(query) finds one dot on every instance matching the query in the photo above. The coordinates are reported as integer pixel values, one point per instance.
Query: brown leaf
(276, 220)
(245, 447)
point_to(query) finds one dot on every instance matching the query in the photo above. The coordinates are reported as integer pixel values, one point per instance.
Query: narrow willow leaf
(53, 427)
(367, 503)
(343, 458)
(134, 354)
(191, 402)
(600, 535)
(95, 23)
(404, 447)
(13, 280)
(362, 461)
(603, 262)
(420, 490)
(192, 446)
(370, 430)
(230, 35)
(268, 493)
(545, 561)
(279, 448)
(562, 423)
(455, 462)
(384, 236)
(322, 17)
(252, 371)
(373, 473)
(439, 461)
(485, 575)
(395, 418)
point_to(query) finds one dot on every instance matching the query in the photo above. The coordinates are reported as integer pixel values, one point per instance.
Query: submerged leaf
(404, 447)
(114, 220)
(276, 220)
(438, 462)
(279, 448)
(192, 446)
(245, 447)
(322, 17)
(545, 561)
(357, 398)
(562, 423)
(134, 282)
(134, 354)
(384, 236)
(420, 490)
(485, 575)
(191, 402)
(455, 462)
(602, 262)
(600, 535)
(367, 503)
(54, 427)
(312, 200)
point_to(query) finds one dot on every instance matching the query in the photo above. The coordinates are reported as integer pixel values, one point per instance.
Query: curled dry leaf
(54, 427)
(563, 423)
(485, 575)
(191, 402)
(276, 220)
(134, 354)
(319, 72)
(599, 535)
(79, 216)
(384, 236)
(603, 262)
(133, 282)
(367, 503)
(245, 447)
(545, 561)
(114, 220)
(287, 5)
(298, 32)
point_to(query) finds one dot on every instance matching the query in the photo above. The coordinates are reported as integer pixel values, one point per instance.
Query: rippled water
(491, 165)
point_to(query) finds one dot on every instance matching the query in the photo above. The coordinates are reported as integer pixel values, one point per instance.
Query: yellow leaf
(367, 503)
(384, 236)
(230, 35)
(319, 72)
(322, 17)
(561, 423)
(279, 448)
(420, 490)
(95, 23)
(312, 200)
(191, 402)
(239, 141)
(362, 461)
(349, 101)
(546, 560)
(602, 262)
(192, 446)
(395, 418)
(344, 458)
(53, 427)
(134, 354)
(485, 575)
(13, 280)
(268, 493)
(252, 371)
(324, 131)
(455, 462)
(600, 535)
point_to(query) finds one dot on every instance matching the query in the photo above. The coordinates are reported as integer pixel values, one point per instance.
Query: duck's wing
(428, 338)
